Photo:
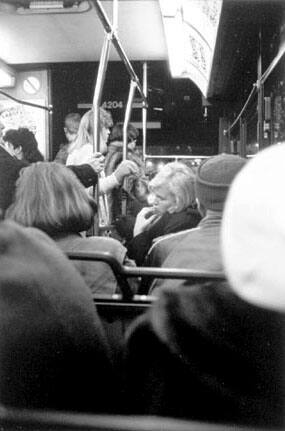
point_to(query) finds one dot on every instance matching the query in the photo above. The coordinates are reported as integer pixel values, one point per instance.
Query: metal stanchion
(96, 122)
(125, 136)
(144, 110)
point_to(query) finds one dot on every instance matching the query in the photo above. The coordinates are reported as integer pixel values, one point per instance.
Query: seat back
(29, 420)
(119, 310)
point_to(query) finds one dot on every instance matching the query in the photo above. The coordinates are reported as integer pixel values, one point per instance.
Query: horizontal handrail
(176, 156)
(117, 301)
(122, 272)
(116, 267)
(24, 102)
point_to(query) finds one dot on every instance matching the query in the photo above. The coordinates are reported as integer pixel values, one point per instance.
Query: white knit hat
(253, 230)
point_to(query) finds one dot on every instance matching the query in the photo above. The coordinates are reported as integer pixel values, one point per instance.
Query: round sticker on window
(31, 85)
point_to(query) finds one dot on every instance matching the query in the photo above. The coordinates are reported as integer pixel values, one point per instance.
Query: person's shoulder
(105, 244)
(9, 162)
(167, 241)
(4, 155)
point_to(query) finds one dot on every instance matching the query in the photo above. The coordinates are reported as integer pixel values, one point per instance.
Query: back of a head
(29, 146)
(12, 136)
(25, 139)
(50, 197)
(117, 133)
(50, 331)
(213, 179)
(253, 230)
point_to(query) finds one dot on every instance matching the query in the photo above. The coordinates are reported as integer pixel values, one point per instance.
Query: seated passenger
(199, 248)
(71, 126)
(53, 348)
(49, 196)
(204, 352)
(24, 144)
(173, 209)
(253, 231)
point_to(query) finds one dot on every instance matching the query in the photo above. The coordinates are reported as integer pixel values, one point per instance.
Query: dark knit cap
(214, 177)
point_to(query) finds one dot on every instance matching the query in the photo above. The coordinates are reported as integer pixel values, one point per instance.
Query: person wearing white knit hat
(253, 230)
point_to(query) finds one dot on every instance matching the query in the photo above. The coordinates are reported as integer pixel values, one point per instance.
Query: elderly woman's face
(163, 200)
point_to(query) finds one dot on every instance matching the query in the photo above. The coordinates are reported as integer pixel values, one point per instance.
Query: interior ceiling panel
(55, 38)
(59, 37)
(246, 28)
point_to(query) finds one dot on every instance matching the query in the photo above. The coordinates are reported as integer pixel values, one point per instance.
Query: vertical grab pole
(96, 120)
(144, 110)
(115, 15)
(133, 85)
(260, 97)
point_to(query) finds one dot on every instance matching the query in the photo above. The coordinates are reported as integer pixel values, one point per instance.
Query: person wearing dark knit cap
(199, 248)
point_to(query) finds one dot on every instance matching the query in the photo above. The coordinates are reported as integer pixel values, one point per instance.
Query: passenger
(204, 354)
(174, 209)
(132, 187)
(253, 231)
(83, 145)
(49, 196)
(82, 149)
(114, 153)
(202, 351)
(53, 352)
(71, 126)
(24, 144)
(10, 168)
(199, 248)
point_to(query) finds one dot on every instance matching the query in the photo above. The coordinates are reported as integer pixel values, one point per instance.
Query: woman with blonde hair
(82, 149)
(49, 197)
(173, 208)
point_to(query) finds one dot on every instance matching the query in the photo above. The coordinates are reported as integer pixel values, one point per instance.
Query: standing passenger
(82, 149)
(10, 167)
(24, 144)
(114, 157)
(71, 126)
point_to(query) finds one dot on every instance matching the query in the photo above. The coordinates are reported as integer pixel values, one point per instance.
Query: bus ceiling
(42, 32)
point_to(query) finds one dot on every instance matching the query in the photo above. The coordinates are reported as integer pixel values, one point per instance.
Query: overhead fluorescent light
(46, 4)
(169, 7)
(54, 6)
(191, 38)
(7, 76)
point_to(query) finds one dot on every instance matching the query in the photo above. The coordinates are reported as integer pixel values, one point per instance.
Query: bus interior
(222, 90)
